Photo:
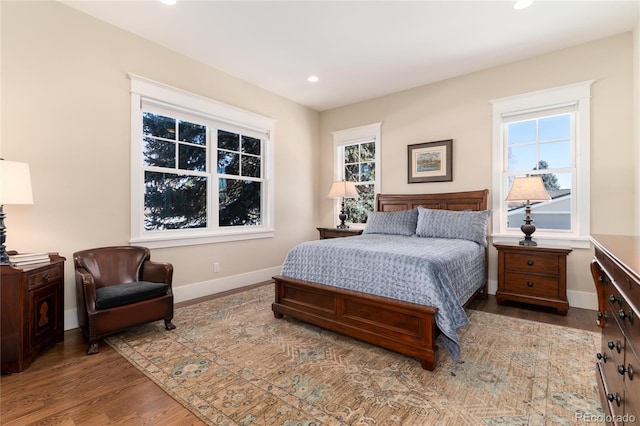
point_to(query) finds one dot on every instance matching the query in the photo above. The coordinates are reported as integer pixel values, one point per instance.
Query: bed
(397, 323)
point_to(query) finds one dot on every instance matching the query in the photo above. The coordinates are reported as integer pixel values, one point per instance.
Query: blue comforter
(438, 272)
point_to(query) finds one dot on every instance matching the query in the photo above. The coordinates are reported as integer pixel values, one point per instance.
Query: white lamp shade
(343, 189)
(528, 188)
(15, 183)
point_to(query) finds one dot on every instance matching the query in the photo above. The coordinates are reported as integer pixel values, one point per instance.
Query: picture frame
(430, 162)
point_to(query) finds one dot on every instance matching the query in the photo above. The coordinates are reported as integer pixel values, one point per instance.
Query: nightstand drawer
(531, 285)
(530, 263)
(43, 277)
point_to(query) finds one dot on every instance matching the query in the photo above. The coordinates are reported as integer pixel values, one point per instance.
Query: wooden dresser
(32, 311)
(616, 274)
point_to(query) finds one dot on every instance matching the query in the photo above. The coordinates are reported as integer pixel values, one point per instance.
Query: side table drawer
(531, 263)
(43, 277)
(531, 285)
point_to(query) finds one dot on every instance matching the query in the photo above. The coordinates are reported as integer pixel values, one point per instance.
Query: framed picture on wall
(430, 162)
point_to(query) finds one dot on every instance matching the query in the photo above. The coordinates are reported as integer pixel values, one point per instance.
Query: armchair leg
(169, 325)
(93, 348)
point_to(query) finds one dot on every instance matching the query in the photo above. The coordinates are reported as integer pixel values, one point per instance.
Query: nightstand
(32, 311)
(337, 233)
(533, 274)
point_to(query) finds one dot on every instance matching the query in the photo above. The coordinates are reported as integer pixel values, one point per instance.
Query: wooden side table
(337, 233)
(32, 311)
(533, 274)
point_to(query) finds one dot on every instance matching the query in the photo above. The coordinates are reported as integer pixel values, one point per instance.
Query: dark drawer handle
(622, 370)
(530, 262)
(630, 371)
(529, 283)
(602, 356)
(622, 314)
(617, 345)
(45, 277)
(617, 398)
(613, 299)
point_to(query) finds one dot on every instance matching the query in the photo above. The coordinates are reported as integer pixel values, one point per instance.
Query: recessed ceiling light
(313, 79)
(522, 4)
(169, 2)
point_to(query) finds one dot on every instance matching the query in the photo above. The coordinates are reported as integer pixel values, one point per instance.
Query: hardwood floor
(64, 386)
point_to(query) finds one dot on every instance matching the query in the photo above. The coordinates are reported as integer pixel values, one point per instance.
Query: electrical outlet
(216, 267)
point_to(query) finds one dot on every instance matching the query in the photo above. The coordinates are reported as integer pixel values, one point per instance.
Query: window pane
(552, 128)
(192, 158)
(158, 125)
(521, 132)
(367, 151)
(357, 209)
(250, 145)
(192, 133)
(522, 157)
(250, 166)
(228, 140)
(351, 172)
(228, 163)
(174, 201)
(159, 153)
(367, 172)
(240, 202)
(556, 154)
(351, 154)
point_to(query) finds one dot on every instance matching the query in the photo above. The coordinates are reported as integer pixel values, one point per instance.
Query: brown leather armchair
(119, 287)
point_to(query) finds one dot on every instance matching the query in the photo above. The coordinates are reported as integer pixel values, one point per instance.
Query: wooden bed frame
(404, 327)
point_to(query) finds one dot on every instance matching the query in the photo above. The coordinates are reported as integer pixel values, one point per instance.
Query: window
(544, 133)
(200, 169)
(357, 159)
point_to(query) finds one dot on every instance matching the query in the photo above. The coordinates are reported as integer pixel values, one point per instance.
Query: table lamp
(527, 189)
(15, 188)
(342, 190)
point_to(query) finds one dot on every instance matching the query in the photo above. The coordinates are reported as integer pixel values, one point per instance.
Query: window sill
(546, 240)
(184, 239)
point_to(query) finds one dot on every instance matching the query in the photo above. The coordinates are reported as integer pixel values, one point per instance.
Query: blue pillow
(464, 225)
(399, 223)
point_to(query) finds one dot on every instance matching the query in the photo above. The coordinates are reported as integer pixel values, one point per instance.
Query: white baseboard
(577, 299)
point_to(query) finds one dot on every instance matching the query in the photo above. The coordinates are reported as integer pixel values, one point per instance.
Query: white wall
(66, 111)
(459, 109)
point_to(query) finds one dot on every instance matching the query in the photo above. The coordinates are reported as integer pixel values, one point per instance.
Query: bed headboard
(469, 200)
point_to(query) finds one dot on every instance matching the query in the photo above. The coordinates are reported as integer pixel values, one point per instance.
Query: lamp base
(529, 242)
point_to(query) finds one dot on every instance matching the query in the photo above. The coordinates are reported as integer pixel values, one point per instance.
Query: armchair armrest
(157, 272)
(85, 289)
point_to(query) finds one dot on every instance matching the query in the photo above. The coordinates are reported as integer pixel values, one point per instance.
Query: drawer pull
(616, 398)
(530, 262)
(621, 369)
(630, 316)
(630, 371)
(529, 283)
(45, 277)
(617, 345)
(622, 314)
(602, 356)
(613, 299)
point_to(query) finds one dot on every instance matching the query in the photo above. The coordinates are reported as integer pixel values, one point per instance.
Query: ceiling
(361, 49)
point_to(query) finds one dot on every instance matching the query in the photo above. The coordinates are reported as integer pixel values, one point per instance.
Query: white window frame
(580, 94)
(354, 135)
(143, 89)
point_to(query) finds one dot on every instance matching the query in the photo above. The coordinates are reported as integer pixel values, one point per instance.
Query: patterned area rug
(231, 362)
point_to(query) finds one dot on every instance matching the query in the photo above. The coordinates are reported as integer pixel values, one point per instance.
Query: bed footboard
(404, 327)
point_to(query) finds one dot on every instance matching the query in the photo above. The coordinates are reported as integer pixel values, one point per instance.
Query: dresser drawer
(531, 263)
(43, 277)
(531, 285)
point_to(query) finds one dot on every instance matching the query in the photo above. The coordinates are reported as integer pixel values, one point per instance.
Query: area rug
(231, 362)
